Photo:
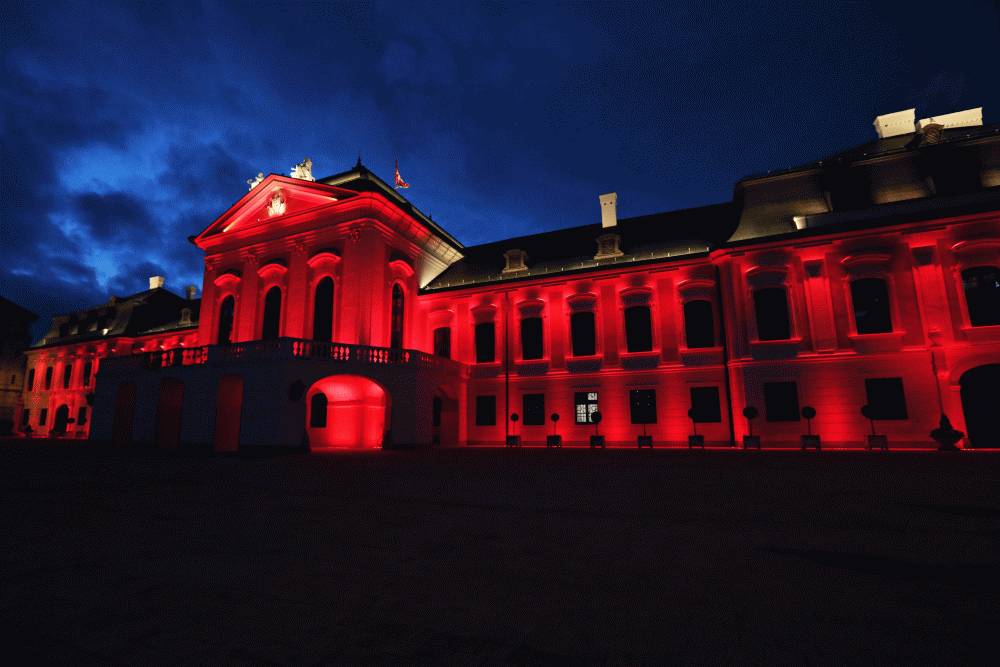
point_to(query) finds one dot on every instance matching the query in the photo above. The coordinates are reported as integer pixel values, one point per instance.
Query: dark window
(398, 305)
(442, 342)
(638, 329)
(485, 342)
(437, 407)
(699, 326)
(25, 417)
(531, 338)
(88, 368)
(43, 415)
(582, 332)
(67, 375)
(771, 310)
(226, 312)
(533, 406)
(323, 310)
(317, 410)
(705, 404)
(486, 410)
(871, 305)
(781, 401)
(885, 398)
(982, 294)
(586, 406)
(271, 327)
(642, 406)
(31, 379)
(81, 416)
(48, 377)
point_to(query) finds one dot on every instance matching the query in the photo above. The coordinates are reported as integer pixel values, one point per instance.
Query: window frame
(870, 384)
(533, 415)
(716, 410)
(491, 416)
(634, 396)
(785, 416)
(583, 399)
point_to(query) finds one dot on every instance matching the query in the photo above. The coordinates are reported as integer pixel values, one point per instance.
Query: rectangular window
(871, 305)
(533, 406)
(642, 406)
(81, 416)
(87, 369)
(771, 311)
(67, 375)
(781, 402)
(582, 333)
(586, 406)
(485, 343)
(48, 377)
(442, 342)
(43, 414)
(886, 398)
(486, 410)
(531, 338)
(25, 417)
(638, 329)
(705, 406)
(31, 379)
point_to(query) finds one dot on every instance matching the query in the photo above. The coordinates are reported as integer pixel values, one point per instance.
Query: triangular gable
(275, 197)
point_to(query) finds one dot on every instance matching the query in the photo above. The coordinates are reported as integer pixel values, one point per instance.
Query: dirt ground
(481, 556)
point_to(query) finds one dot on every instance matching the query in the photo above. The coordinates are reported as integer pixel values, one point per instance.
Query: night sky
(126, 128)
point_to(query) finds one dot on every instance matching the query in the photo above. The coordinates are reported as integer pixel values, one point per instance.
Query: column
(298, 293)
(246, 312)
(819, 308)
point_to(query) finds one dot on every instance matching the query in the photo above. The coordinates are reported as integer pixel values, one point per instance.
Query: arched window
(317, 410)
(485, 342)
(583, 335)
(770, 306)
(638, 329)
(699, 325)
(271, 327)
(323, 310)
(398, 304)
(226, 311)
(982, 295)
(871, 305)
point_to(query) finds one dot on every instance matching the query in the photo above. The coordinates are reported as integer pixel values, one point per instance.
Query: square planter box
(553, 441)
(597, 441)
(751, 442)
(879, 442)
(644, 441)
(810, 441)
(696, 441)
(513, 441)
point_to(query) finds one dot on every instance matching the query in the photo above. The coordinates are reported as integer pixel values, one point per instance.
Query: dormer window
(608, 246)
(516, 260)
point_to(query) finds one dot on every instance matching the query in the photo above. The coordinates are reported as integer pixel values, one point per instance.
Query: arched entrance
(228, 411)
(980, 386)
(61, 420)
(356, 413)
(168, 413)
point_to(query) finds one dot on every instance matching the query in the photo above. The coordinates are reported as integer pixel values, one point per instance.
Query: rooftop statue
(303, 170)
(254, 182)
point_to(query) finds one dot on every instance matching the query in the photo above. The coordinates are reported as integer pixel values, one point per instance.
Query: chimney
(156, 281)
(191, 291)
(931, 132)
(609, 210)
(894, 124)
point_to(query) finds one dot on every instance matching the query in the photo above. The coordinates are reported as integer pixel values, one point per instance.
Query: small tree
(750, 412)
(595, 418)
(514, 417)
(554, 418)
(809, 413)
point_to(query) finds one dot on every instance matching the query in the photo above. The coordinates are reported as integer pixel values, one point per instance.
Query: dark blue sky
(125, 128)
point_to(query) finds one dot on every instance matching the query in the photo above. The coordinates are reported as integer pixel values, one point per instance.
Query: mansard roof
(155, 310)
(657, 237)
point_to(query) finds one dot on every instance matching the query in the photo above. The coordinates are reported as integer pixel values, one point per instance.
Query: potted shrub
(695, 440)
(554, 440)
(750, 440)
(596, 440)
(644, 440)
(946, 436)
(874, 440)
(809, 439)
(514, 440)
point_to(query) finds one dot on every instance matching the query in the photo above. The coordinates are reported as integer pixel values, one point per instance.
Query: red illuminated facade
(335, 314)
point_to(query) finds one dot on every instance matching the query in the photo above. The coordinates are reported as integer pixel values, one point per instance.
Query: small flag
(400, 183)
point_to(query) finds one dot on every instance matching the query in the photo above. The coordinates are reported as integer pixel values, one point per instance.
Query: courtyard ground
(473, 556)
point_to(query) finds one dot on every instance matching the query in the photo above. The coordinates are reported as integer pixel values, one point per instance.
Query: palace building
(333, 313)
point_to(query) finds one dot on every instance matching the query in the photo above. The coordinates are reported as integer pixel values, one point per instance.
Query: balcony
(284, 349)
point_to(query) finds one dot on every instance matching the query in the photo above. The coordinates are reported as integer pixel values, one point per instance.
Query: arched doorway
(168, 413)
(271, 324)
(124, 414)
(61, 420)
(979, 400)
(323, 311)
(228, 412)
(226, 312)
(396, 317)
(355, 413)
(444, 419)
